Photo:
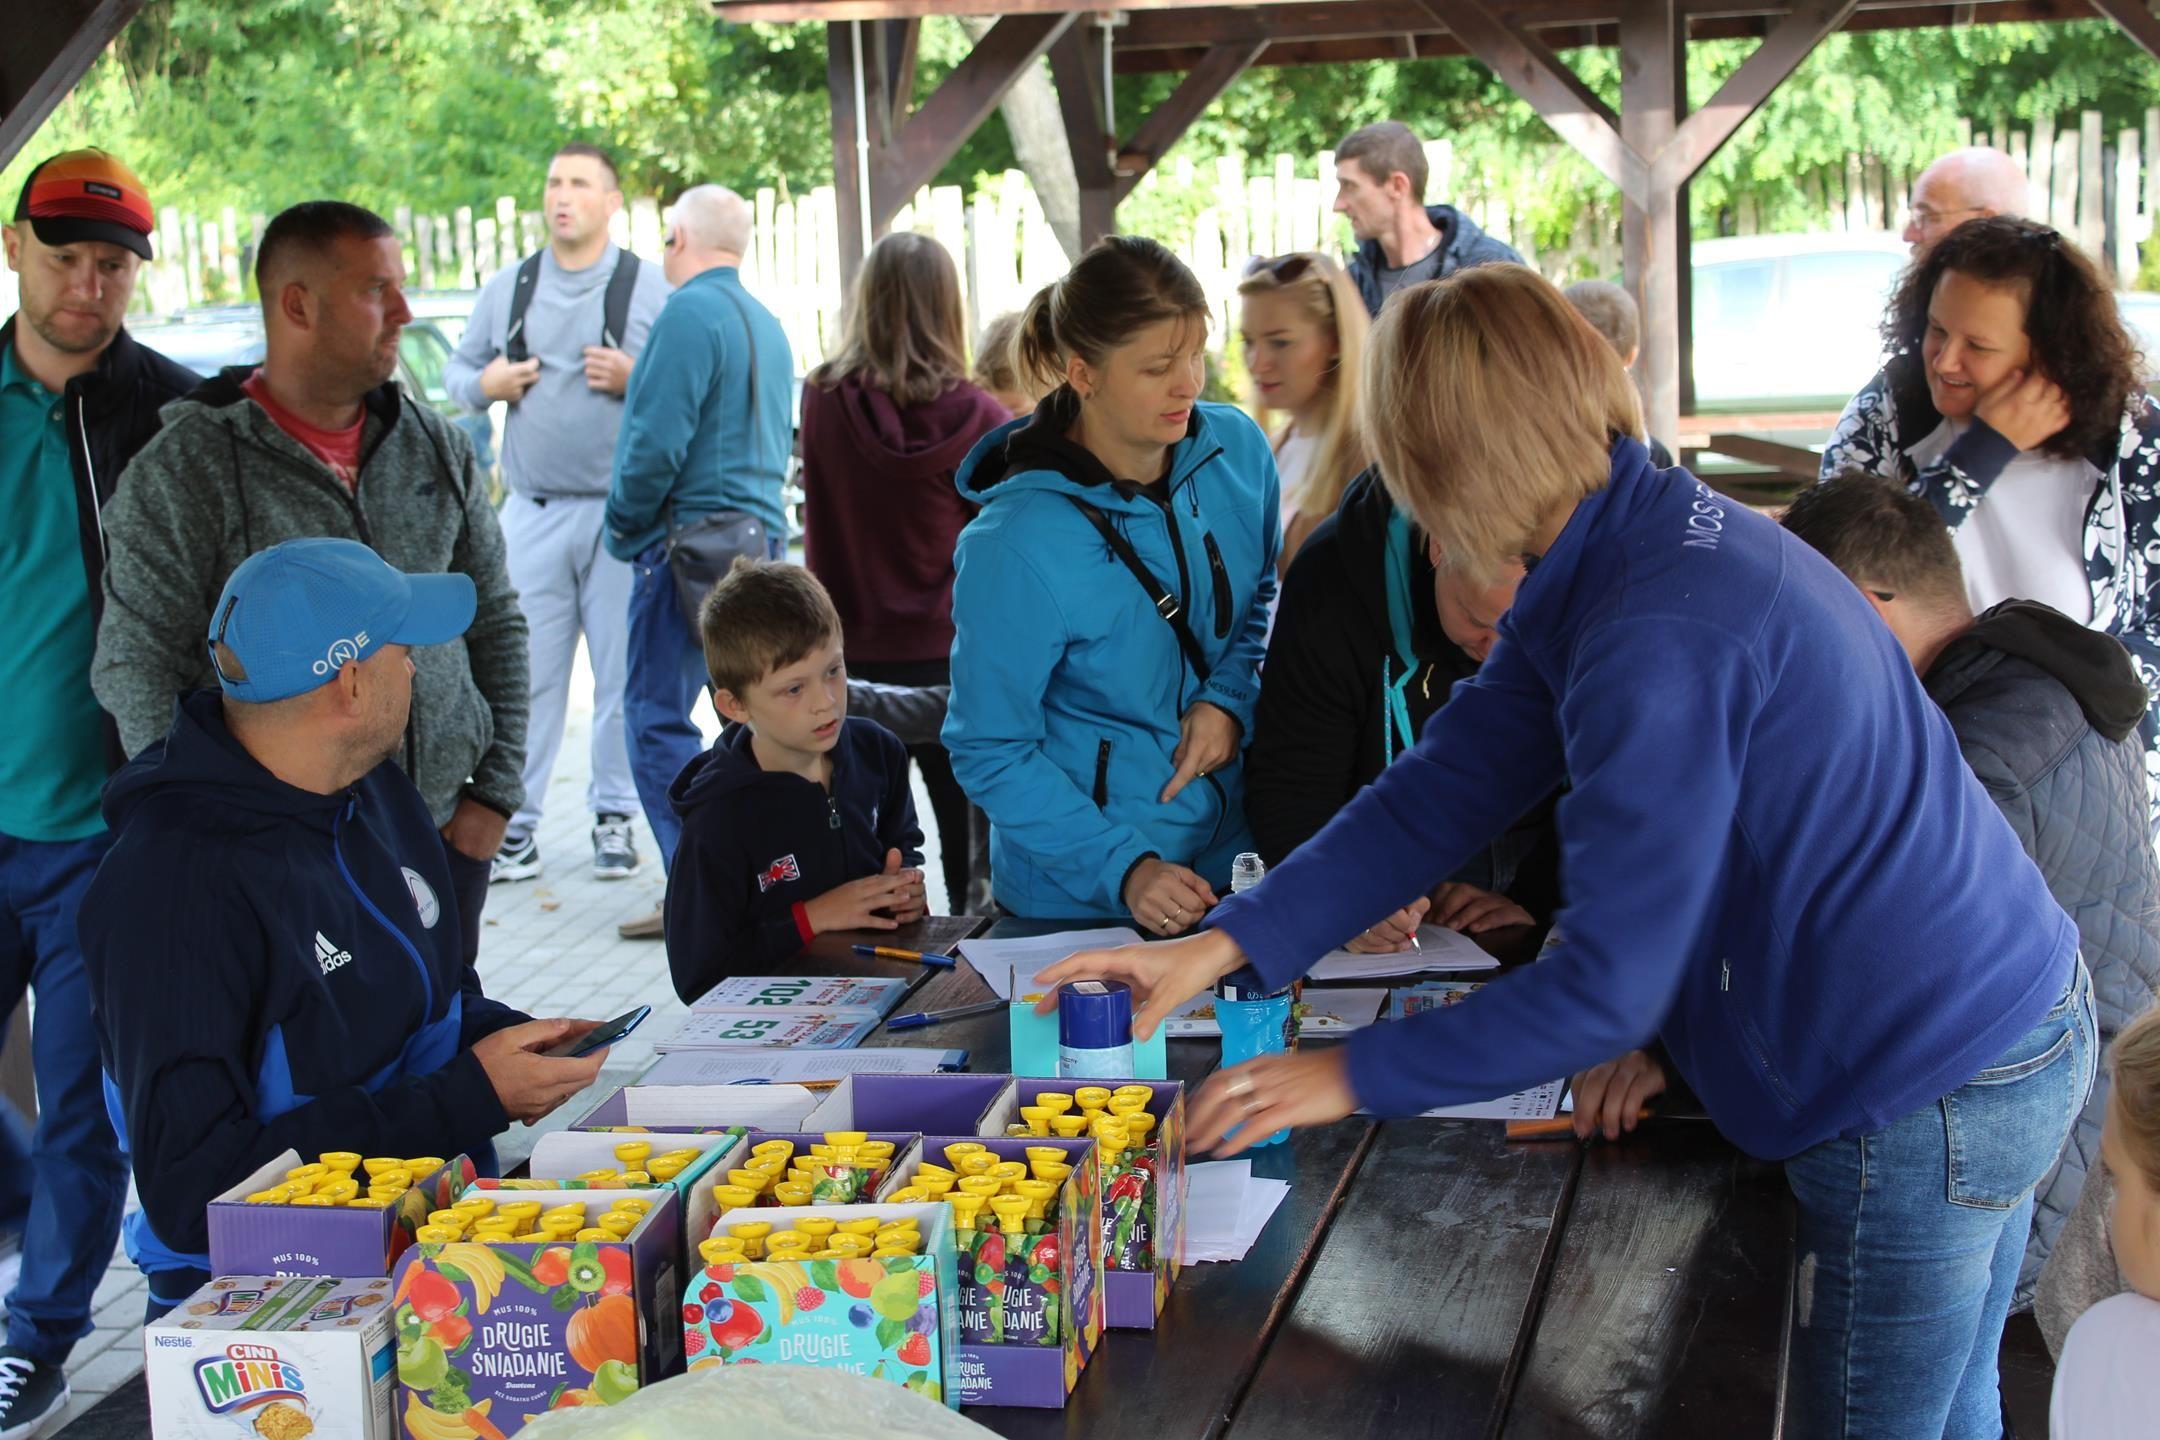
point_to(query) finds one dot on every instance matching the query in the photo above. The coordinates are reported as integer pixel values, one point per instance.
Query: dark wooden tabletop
(1423, 1277)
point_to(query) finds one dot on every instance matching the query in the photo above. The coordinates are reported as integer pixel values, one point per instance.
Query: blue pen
(889, 952)
(921, 1018)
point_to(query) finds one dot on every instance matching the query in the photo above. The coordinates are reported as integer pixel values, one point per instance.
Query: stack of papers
(1540, 1102)
(1226, 1208)
(767, 1067)
(999, 961)
(1439, 949)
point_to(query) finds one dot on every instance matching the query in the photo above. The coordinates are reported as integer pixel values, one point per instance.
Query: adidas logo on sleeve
(330, 956)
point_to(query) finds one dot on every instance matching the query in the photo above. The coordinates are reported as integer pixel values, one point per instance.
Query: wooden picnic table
(1426, 1277)
(1423, 1277)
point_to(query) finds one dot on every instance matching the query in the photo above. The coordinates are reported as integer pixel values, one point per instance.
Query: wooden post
(1653, 82)
(50, 46)
(847, 123)
(1076, 69)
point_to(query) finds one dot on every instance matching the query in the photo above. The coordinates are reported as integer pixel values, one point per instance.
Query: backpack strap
(528, 275)
(1165, 603)
(615, 323)
(757, 433)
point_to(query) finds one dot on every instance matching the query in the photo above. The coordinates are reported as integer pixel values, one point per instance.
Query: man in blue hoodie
(273, 944)
(1776, 861)
(706, 429)
(1380, 175)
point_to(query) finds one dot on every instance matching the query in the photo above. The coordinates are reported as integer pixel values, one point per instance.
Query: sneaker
(32, 1394)
(645, 927)
(614, 848)
(517, 860)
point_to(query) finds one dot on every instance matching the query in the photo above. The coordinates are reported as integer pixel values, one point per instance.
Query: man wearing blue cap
(273, 942)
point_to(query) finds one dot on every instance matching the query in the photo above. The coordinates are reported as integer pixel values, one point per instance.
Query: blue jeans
(78, 1180)
(664, 677)
(1909, 1242)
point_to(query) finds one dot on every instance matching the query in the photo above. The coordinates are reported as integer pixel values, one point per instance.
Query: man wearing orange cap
(78, 398)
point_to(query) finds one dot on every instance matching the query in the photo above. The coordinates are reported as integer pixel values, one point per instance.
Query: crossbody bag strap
(1165, 603)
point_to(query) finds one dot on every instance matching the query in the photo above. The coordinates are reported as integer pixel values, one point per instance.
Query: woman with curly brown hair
(2012, 401)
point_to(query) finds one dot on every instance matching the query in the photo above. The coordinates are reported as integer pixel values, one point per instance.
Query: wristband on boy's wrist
(803, 927)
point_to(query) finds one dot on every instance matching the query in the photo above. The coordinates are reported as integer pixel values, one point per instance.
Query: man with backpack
(555, 338)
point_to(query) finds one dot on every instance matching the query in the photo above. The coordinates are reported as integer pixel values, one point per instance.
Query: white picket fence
(2104, 193)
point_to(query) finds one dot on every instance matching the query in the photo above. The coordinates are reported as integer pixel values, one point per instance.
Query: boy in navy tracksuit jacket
(798, 821)
(274, 949)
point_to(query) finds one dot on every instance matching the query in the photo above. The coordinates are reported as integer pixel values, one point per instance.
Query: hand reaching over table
(1162, 977)
(1307, 1087)
(1610, 1097)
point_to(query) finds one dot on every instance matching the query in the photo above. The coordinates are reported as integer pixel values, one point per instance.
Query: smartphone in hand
(600, 1036)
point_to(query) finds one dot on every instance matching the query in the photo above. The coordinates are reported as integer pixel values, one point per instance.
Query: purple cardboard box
(321, 1239)
(918, 1104)
(1143, 1205)
(525, 1329)
(1031, 1307)
(889, 1317)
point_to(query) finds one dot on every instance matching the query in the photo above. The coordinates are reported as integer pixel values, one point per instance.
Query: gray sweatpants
(568, 584)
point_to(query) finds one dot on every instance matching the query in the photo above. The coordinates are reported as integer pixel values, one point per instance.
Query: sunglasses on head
(1284, 268)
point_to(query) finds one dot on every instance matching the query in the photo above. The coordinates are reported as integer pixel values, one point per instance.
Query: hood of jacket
(911, 442)
(1033, 453)
(1459, 235)
(200, 764)
(730, 768)
(2093, 667)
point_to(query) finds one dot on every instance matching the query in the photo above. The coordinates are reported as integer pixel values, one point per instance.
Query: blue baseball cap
(293, 614)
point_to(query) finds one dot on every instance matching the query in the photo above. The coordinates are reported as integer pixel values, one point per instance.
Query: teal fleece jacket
(690, 443)
(1068, 687)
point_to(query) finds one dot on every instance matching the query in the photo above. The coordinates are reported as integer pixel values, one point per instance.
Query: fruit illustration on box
(485, 1334)
(1128, 1193)
(876, 1316)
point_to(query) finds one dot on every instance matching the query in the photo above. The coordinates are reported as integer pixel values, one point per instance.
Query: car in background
(1790, 322)
(208, 338)
(2141, 314)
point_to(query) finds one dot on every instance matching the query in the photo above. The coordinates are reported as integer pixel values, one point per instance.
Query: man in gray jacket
(554, 339)
(320, 441)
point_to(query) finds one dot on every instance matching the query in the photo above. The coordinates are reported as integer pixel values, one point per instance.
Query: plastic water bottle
(1253, 1022)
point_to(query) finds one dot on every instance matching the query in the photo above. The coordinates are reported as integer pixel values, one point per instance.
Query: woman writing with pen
(1776, 862)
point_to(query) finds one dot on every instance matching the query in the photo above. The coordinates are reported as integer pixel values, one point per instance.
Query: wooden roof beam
(2131, 15)
(1533, 72)
(1789, 42)
(935, 133)
(51, 45)
(1167, 122)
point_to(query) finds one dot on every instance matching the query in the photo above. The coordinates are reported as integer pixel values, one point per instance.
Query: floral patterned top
(1878, 434)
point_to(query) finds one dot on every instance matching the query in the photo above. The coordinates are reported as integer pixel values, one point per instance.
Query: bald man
(707, 430)
(1964, 185)
(320, 440)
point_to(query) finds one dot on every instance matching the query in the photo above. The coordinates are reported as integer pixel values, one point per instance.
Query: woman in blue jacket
(1110, 606)
(1776, 863)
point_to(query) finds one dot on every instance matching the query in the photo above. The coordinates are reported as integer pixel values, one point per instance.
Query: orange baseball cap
(81, 195)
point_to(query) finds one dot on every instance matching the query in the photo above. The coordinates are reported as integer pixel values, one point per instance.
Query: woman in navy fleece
(1777, 865)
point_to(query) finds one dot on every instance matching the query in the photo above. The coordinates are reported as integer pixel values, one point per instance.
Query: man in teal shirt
(78, 397)
(706, 428)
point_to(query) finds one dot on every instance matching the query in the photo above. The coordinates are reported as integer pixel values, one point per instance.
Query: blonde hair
(1490, 405)
(2135, 1060)
(1327, 297)
(995, 369)
(906, 330)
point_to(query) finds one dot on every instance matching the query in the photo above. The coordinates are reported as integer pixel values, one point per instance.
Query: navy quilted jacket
(2046, 712)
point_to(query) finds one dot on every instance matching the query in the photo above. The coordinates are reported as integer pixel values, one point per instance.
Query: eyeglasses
(1923, 215)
